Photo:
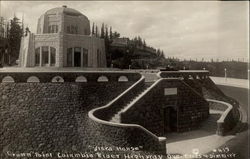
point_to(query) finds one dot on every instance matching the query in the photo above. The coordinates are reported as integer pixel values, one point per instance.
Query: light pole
(225, 74)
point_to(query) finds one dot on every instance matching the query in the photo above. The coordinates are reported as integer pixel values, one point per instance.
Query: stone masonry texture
(51, 117)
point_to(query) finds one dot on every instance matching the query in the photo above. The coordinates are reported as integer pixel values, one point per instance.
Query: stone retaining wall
(148, 111)
(45, 77)
(229, 117)
(126, 135)
(52, 117)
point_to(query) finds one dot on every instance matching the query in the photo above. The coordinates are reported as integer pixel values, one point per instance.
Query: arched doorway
(170, 119)
(77, 57)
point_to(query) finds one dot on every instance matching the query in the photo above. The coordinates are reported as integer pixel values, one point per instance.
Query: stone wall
(107, 112)
(46, 77)
(130, 135)
(229, 117)
(125, 135)
(148, 111)
(186, 74)
(52, 117)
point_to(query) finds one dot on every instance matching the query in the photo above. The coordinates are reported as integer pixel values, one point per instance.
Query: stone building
(63, 39)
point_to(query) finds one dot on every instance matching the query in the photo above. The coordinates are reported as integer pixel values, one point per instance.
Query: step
(117, 118)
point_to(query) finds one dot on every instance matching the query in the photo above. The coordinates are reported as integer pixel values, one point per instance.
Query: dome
(64, 10)
(63, 20)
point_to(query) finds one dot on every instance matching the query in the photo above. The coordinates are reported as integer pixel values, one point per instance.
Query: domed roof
(64, 10)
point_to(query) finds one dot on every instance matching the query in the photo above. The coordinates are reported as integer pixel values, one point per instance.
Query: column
(41, 57)
(73, 56)
(81, 57)
(49, 56)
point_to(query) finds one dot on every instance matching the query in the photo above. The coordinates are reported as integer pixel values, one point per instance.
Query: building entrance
(77, 59)
(170, 119)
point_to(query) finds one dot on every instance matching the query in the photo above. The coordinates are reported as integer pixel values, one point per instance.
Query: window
(53, 29)
(68, 29)
(72, 29)
(52, 56)
(69, 57)
(85, 57)
(85, 31)
(37, 56)
(99, 58)
(45, 55)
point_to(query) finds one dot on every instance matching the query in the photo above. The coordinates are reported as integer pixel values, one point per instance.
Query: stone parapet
(229, 117)
(188, 107)
(69, 76)
(186, 74)
(119, 134)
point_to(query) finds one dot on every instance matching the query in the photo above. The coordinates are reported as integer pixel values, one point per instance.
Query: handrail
(94, 118)
(196, 92)
(225, 113)
(141, 95)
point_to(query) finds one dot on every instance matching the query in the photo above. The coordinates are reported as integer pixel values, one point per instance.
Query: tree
(106, 35)
(93, 29)
(110, 33)
(102, 31)
(144, 43)
(96, 31)
(14, 39)
(27, 30)
(116, 35)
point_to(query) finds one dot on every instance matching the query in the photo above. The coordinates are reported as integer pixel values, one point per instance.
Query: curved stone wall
(125, 134)
(229, 117)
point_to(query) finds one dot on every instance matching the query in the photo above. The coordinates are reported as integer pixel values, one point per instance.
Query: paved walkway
(206, 144)
(242, 83)
(199, 141)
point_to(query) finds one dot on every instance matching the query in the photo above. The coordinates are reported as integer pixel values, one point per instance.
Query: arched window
(72, 29)
(57, 79)
(85, 57)
(45, 55)
(123, 79)
(81, 79)
(98, 58)
(8, 79)
(37, 56)
(69, 57)
(102, 79)
(33, 79)
(53, 29)
(52, 56)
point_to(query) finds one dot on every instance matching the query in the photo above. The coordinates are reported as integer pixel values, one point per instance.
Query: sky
(183, 29)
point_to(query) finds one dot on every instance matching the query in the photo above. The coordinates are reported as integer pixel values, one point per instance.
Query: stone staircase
(117, 117)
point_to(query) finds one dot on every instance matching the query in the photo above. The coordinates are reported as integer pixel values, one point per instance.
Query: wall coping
(225, 113)
(23, 70)
(183, 73)
(91, 115)
(68, 76)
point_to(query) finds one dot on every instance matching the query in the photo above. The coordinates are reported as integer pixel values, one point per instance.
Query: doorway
(170, 120)
(77, 59)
